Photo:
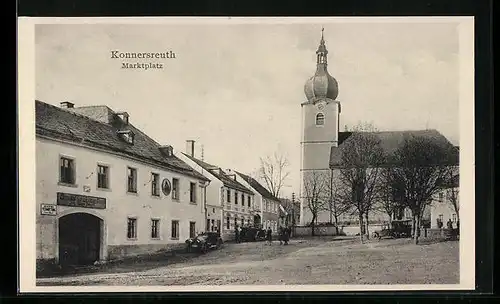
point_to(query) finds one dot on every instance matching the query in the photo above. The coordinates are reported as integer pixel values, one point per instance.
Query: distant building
(104, 189)
(229, 203)
(267, 206)
(291, 212)
(442, 209)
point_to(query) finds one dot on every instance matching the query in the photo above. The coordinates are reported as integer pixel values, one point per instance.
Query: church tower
(320, 123)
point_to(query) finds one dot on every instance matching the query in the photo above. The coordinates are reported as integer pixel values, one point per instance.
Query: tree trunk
(417, 225)
(312, 225)
(336, 224)
(413, 222)
(367, 224)
(361, 227)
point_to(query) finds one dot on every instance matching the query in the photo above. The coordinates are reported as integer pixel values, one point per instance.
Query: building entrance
(79, 239)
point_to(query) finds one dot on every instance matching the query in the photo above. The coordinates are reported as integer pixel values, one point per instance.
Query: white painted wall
(119, 203)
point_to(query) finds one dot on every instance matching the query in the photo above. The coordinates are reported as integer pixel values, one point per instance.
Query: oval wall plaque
(166, 187)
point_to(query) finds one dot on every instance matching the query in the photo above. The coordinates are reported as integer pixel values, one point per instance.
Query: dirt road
(314, 261)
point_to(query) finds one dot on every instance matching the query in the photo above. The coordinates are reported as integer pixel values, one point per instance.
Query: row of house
(106, 190)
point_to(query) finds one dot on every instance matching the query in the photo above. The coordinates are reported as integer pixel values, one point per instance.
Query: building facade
(443, 206)
(322, 144)
(230, 204)
(320, 126)
(105, 190)
(267, 206)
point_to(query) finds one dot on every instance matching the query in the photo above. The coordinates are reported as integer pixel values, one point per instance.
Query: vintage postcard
(246, 154)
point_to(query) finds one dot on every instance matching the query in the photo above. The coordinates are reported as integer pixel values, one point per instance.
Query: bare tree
(336, 205)
(274, 172)
(361, 161)
(315, 194)
(421, 166)
(388, 193)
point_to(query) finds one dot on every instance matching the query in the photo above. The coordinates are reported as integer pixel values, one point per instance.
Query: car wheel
(204, 248)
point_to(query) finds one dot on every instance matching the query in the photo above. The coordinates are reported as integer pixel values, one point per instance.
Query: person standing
(236, 234)
(269, 236)
(281, 234)
(286, 235)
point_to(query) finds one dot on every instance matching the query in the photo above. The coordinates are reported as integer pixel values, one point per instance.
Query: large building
(229, 203)
(322, 142)
(320, 127)
(105, 190)
(267, 206)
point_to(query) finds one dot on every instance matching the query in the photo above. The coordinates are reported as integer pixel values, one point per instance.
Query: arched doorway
(256, 221)
(79, 239)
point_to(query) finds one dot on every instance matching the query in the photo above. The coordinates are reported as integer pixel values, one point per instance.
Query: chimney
(190, 147)
(67, 105)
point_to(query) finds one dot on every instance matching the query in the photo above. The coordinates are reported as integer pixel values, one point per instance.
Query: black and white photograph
(241, 154)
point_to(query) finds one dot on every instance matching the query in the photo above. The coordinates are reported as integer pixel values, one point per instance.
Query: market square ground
(303, 261)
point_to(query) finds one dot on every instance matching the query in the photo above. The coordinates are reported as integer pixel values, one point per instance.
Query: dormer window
(127, 136)
(320, 119)
(168, 151)
(123, 116)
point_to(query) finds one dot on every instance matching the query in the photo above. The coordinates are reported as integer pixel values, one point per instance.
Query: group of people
(284, 235)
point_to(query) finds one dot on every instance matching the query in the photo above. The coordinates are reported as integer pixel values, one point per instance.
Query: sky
(236, 89)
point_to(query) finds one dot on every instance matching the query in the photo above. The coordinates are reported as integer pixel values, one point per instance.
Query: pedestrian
(449, 224)
(241, 233)
(286, 235)
(269, 236)
(236, 234)
(281, 234)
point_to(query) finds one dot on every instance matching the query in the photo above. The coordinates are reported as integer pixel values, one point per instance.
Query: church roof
(258, 187)
(57, 123)
(218, 173)
(392, 140)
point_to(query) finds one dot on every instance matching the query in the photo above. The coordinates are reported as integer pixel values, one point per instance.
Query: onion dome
(321, 85)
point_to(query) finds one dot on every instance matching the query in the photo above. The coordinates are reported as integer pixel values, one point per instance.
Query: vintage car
(396, 229)
(252, 234)
(204, 242)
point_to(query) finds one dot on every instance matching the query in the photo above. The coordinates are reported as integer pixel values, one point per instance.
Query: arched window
(320, 119)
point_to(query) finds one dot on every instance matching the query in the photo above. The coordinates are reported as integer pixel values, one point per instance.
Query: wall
(319, 231)
(119, 203)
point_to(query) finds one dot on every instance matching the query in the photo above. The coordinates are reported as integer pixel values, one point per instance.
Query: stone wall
(318, 231)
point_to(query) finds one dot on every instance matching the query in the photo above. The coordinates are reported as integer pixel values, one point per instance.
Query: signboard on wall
(48, 209)
(166, 187)
(84, 201)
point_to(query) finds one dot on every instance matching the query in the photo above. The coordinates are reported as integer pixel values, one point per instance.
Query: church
(322, 142)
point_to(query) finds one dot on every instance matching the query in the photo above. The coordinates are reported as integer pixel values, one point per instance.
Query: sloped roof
(258, 187)
(392, 140)
(220, 175)
(58, 123)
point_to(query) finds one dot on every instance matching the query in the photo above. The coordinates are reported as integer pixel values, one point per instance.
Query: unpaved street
(311, 261)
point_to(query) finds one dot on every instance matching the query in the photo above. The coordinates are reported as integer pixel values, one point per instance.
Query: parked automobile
(396, 229)
(252, 234)
(204, 242)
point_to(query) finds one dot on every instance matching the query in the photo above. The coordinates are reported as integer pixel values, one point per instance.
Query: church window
(320, 119)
